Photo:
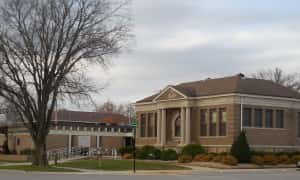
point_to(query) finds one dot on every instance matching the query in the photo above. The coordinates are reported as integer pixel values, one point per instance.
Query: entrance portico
(166, 131)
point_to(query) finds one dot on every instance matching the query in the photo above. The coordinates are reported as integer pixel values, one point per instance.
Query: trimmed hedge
(148, 152)
(126, 150)
(168, 155)
(193, 150)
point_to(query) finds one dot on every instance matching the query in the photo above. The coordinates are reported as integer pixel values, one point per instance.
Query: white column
(158, 128)
(97, 139)
(182, 126)
(188, 125)
(70, 144)
(163, 127)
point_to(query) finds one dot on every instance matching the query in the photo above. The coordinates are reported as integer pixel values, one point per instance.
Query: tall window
(258, 118)
(143, 125)
(269, 118)
(279, 119)
(223, 121)
(203, 122)
(247, 117)
(213, 122)
(151, 125)
(177, 126)
(298, 124)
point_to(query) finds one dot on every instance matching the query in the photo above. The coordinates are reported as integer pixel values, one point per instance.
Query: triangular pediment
(169, 94)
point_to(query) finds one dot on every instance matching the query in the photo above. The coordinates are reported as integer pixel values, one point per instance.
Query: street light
(134, 126)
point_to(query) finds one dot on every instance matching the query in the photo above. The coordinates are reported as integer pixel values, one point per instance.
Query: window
(203, 123)
(269, 118)
(223, 121)
(213, 123)
(279, 119)
(143, 125)
(151, 125)
(258, 118)
(247, 117)
(298, 124)
(177, 127)
(18, 141)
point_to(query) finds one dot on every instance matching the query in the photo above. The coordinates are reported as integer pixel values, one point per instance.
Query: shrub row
(270, 159)
(149, 152)
(220, 158)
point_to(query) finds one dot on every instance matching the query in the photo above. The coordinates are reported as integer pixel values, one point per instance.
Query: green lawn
(119, 165)
(3, 162)
(36, 168)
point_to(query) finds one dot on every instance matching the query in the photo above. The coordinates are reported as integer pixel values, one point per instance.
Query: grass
(36, 168)
(2, 162)
(120, 165)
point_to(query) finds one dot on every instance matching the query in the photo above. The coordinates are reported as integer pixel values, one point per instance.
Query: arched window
(177, 126)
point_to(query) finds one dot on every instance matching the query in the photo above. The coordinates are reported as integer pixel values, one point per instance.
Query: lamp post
(134, 126)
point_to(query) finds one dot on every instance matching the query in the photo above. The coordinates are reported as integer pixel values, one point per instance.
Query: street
(274, 174)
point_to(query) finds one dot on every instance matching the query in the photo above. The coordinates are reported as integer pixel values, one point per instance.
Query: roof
(231, 84)
(90, 117)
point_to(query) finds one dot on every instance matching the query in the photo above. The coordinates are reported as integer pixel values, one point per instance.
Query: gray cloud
(179, 41)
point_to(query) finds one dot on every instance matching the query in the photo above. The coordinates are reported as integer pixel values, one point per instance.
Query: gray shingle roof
(92, 117)
(232, 84)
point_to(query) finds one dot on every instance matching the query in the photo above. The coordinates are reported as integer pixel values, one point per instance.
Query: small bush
(193, 150)
(168, 155)
(126, 150)
(258, 160)
(240, 149)
(218, 158)
(284, 159)
(127, 156)
(27, 152)
(229, 160)
(199, 157)
(208, 157)
(185, 159)
(148, 152)
(295, 159)
(270, 160)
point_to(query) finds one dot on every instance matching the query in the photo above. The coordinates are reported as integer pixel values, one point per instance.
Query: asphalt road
(289, 174)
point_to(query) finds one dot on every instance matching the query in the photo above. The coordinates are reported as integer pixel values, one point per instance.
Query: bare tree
(291, 80)
(111, 107)
(108, 107)
(45, 47)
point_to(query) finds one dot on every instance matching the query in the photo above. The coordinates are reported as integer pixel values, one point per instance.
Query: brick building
(76, 129)
(212, 112)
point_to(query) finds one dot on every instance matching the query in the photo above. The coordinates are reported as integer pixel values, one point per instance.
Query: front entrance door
(84, 141)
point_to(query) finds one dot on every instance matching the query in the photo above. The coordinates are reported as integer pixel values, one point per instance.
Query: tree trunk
(40, 154)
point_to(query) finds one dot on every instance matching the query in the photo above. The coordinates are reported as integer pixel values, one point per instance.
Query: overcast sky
(187, 40)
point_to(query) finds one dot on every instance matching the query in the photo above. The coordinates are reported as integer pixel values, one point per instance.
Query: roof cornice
(225, 95)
